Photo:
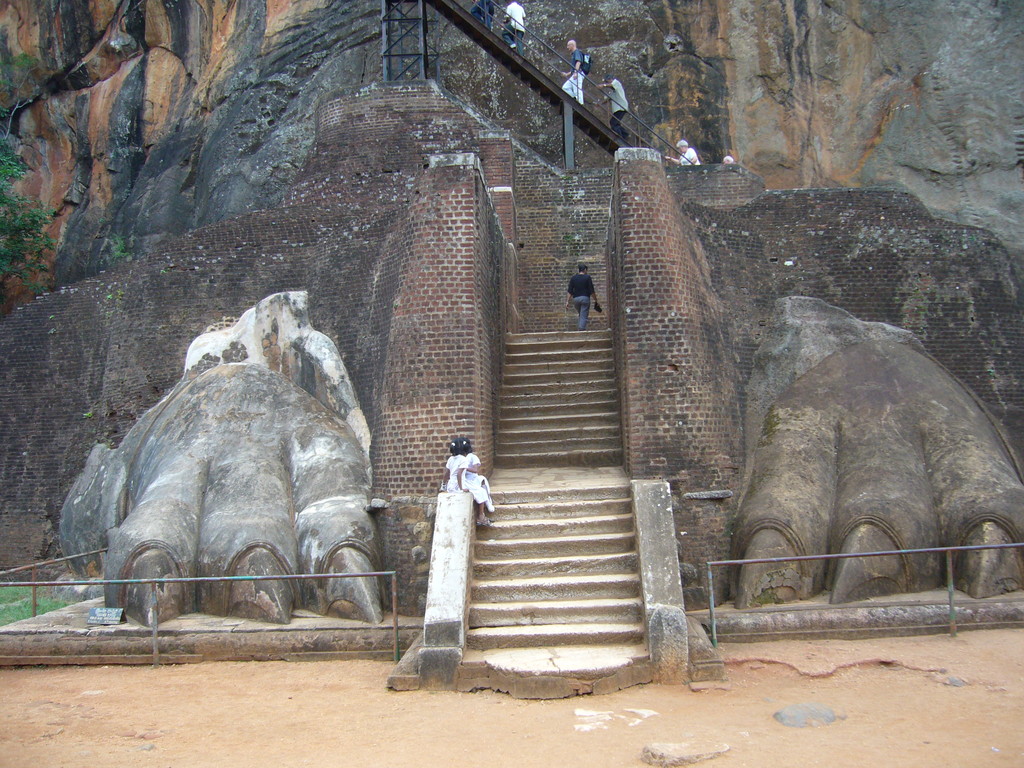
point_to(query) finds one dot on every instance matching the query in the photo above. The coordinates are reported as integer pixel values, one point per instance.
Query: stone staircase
(559, 401)
(553, 601)
(555, 604)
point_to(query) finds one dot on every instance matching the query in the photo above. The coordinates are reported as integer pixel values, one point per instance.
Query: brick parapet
(678, 381)
(714, 186)
(444, 342)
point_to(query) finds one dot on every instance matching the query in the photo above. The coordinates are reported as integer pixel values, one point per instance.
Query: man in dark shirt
(581, 293)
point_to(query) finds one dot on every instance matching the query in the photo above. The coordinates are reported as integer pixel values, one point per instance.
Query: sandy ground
(932, 701)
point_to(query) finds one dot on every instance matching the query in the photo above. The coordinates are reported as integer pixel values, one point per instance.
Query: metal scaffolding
(406, 49)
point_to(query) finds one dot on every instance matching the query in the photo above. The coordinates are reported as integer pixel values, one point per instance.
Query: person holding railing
(515, 25)
(574, 82)
(484, 11)
(619, 105)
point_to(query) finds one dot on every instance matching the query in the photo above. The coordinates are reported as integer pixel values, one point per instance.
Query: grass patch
(16, 603)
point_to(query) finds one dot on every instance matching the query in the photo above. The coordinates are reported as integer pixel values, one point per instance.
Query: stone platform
(921, 613)
(62, 637)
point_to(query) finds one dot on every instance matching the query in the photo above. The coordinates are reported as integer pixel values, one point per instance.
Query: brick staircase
(559, 401)
(555, 606)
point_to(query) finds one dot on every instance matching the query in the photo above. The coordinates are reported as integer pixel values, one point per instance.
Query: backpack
(585, 66)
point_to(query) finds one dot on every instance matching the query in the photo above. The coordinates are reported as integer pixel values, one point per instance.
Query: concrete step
(602, 585)
(542, 527)
(583, 565)
(554, 546)
(561, 459)
(536, 613)
(484, 638)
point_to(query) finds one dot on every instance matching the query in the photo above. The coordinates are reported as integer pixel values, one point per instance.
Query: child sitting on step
(468, 478)
(449, 483)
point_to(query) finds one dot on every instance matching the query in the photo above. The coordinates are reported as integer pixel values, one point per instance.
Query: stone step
(554, 546)
(484, 638)
(565, 421)
(577, 385)
(524, 436)
(512, 568)
(565, 364)
(537, 613)
(555, 672)
(602, 585)
(557, 337)
(598, 458)
(530, 502)
(585, 372)
(542, 527)
(558, 358)
(554, 401)
(545, 442)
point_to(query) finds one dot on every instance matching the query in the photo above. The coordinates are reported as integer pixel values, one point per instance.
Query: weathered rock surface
(871, 447)
(154, 118)
(244, 469)
(683, 753)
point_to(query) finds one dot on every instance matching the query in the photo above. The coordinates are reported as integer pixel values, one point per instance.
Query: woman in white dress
(468, 477)
(449, 483)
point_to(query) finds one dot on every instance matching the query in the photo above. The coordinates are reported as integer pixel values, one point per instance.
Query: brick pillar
(680, 410)
(445, 330)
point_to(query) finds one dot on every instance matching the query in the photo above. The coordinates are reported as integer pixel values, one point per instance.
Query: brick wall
(680, 416)
(563, 218)
(882, 257)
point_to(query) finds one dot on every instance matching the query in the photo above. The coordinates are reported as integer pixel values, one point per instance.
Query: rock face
(154, 118)
(244, 469)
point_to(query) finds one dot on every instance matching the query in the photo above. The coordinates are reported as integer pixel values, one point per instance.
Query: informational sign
(102, 616)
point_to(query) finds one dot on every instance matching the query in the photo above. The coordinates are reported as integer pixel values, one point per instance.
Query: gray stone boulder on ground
(807, 715)
(867, 444)
(246, 468)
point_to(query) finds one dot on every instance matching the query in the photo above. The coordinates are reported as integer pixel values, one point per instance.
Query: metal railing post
(949, 587)
(711, 607)
(35, 602)
(394, 612)
(154, 620)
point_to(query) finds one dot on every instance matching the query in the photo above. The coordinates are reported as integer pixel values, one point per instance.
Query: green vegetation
(16, 603)
(23, 222)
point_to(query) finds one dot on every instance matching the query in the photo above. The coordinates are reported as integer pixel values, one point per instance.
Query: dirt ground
(933, 701)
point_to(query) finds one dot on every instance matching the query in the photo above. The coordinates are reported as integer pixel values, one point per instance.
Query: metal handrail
(207, 579)
(35, 566)
(844, 555)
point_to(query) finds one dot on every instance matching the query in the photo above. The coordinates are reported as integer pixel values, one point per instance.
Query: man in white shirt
(574, 82)
(515, 25)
